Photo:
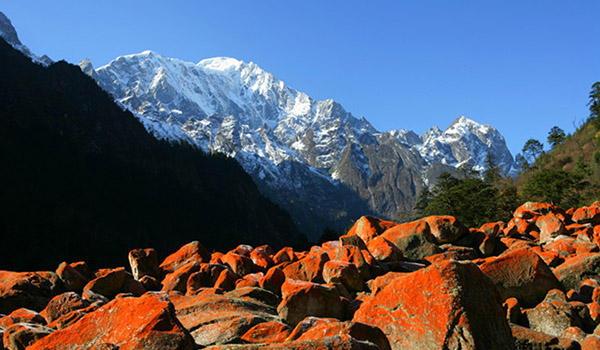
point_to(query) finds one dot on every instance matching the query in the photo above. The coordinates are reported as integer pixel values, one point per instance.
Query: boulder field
(530, 283)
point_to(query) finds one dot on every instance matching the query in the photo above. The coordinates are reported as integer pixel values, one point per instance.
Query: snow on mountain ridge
(310, 156)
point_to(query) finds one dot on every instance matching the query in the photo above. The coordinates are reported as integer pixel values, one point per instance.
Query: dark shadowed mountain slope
(81, 178)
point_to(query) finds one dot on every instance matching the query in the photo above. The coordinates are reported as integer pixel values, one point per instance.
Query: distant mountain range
(313, 158)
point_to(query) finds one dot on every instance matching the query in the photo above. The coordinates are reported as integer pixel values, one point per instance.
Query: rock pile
(531, 283)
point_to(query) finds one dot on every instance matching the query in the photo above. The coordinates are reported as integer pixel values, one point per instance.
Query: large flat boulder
(448, 305)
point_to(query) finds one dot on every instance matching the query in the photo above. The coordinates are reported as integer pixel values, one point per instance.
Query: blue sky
(521, 66)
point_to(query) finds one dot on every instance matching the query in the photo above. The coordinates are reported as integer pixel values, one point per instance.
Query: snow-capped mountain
(8, 33)
(315, 159)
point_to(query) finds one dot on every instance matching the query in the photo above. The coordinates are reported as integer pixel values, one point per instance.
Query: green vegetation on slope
(568, 175)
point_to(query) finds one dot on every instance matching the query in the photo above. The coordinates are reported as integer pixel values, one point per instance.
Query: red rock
(313, 328)
(83, 268)
(362, 259)
(514, 244)
(594, 312)
(553, 317)
(551, 226)
(378, 283)
(518, 226)
(335, 271)
(108, 284)
(564, 247)
(587, 215)
(177, 280)
(384, 250)
(250, 280)
(215, 258)
(551, 258)
(129, 323)
(529, 209)
(31, 290)
(521, 274)
(343, 342)
(492, 229)
(226, 280)
(144, 262)
(261, 259)
(309, 268)
(193, 251)
(513, 310)
(453, 253)
(284, 255)
(243, 249)
(150, 283)
(446, 305)
(590, 343)
(273, 280)
(72, 279)
(63, 304)
(572, 228)
(574, 333)
(256, 294)
(414, 239)
(240, 264)
(445, 229)
(218, 319)
(21, 335)
(354, 240)
(526, 338)
(302, 299)
(134, 287)
(267, 332)
(577, 269)
(368, 227)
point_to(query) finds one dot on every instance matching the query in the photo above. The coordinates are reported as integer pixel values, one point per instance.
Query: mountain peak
(221, 64)
(8, 32)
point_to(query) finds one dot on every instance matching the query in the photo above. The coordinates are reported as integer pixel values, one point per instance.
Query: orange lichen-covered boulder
(144, 262)
(446, 305)
(551, 226)
(587, 215)
(339, 342)
(267, 332)
(240, 264)
(384, 250)
(109, 283)
(414, 239)
(309, 268)
(526, 338)
(147, 322)
(445, 229)
(314, 328)
(218, 319)
(302, 299)
(193, 251)
(530, 209)
(273, 280)
(177, 280)
(30, 290)
(73, 280)
(63, 304)
(577, 269)
(335, 271)
(21, 335)
(368, 227)
(521, 274)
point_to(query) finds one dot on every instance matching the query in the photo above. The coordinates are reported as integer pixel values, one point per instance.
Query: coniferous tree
(556, 136)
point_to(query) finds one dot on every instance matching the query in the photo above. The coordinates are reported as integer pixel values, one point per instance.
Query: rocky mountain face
(531, 283)
(9, 34)
(313, 158)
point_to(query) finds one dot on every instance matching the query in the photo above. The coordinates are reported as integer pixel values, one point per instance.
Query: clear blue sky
(522, 66)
